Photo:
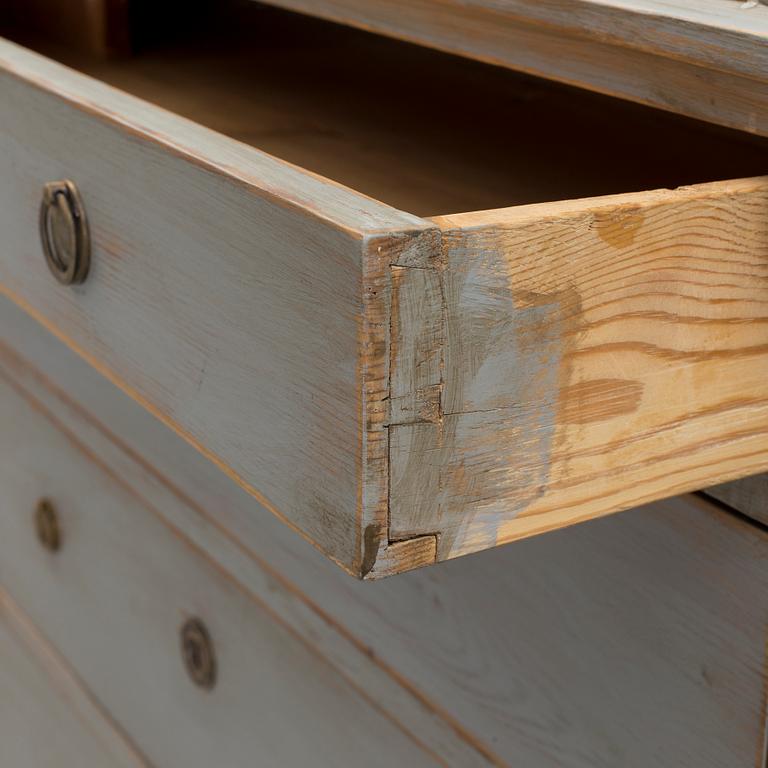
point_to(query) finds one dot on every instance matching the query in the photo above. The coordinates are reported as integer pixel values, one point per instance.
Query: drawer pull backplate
(197, 652)
(47, 525)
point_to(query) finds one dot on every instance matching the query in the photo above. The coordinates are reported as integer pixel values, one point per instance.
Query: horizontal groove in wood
(266, 585)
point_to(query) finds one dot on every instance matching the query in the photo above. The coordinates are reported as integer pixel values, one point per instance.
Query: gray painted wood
(349, 657)
(113, 599)
(749, 496)
(225, 291)
(634, 640)
(47, 719)
(704, 59)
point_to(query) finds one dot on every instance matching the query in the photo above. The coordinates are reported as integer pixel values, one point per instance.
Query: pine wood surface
(596, 354)
(486, 138)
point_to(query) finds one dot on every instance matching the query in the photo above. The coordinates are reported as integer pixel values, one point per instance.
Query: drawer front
(224, 286)
(47, 720)
(114, 597)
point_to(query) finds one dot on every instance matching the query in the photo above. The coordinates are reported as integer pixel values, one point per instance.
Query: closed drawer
(47, 720)
(400, 389)
(115, 596)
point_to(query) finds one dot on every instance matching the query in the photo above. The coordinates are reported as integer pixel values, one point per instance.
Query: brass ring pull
(64, 232)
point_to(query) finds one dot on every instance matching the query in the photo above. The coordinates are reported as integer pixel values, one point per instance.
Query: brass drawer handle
(64, 232)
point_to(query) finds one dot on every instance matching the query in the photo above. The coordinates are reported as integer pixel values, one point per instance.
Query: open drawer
(399, 387)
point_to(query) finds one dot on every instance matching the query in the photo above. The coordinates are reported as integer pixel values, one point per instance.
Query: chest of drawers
(453, 308)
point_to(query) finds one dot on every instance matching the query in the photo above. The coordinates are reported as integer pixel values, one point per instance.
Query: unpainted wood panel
(47, 720)
(634, 640)
(278, 308)
(598, 354)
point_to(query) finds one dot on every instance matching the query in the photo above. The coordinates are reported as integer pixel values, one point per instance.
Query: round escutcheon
(64, 232)
(197, 652)
(47, 525)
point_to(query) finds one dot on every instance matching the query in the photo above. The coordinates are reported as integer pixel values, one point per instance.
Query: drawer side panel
(598, 354)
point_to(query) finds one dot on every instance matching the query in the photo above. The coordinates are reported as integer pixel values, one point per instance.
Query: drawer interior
(423, 131)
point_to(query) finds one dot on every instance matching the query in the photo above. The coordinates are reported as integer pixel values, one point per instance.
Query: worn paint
(504, 350)
(503, 360)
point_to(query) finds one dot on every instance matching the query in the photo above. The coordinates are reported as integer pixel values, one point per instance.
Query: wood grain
(294, 330)
(47, 719)
(598, 354)
(703, 59)
(637, 639)
(112, 601)
(222, 539)
(225, 292)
